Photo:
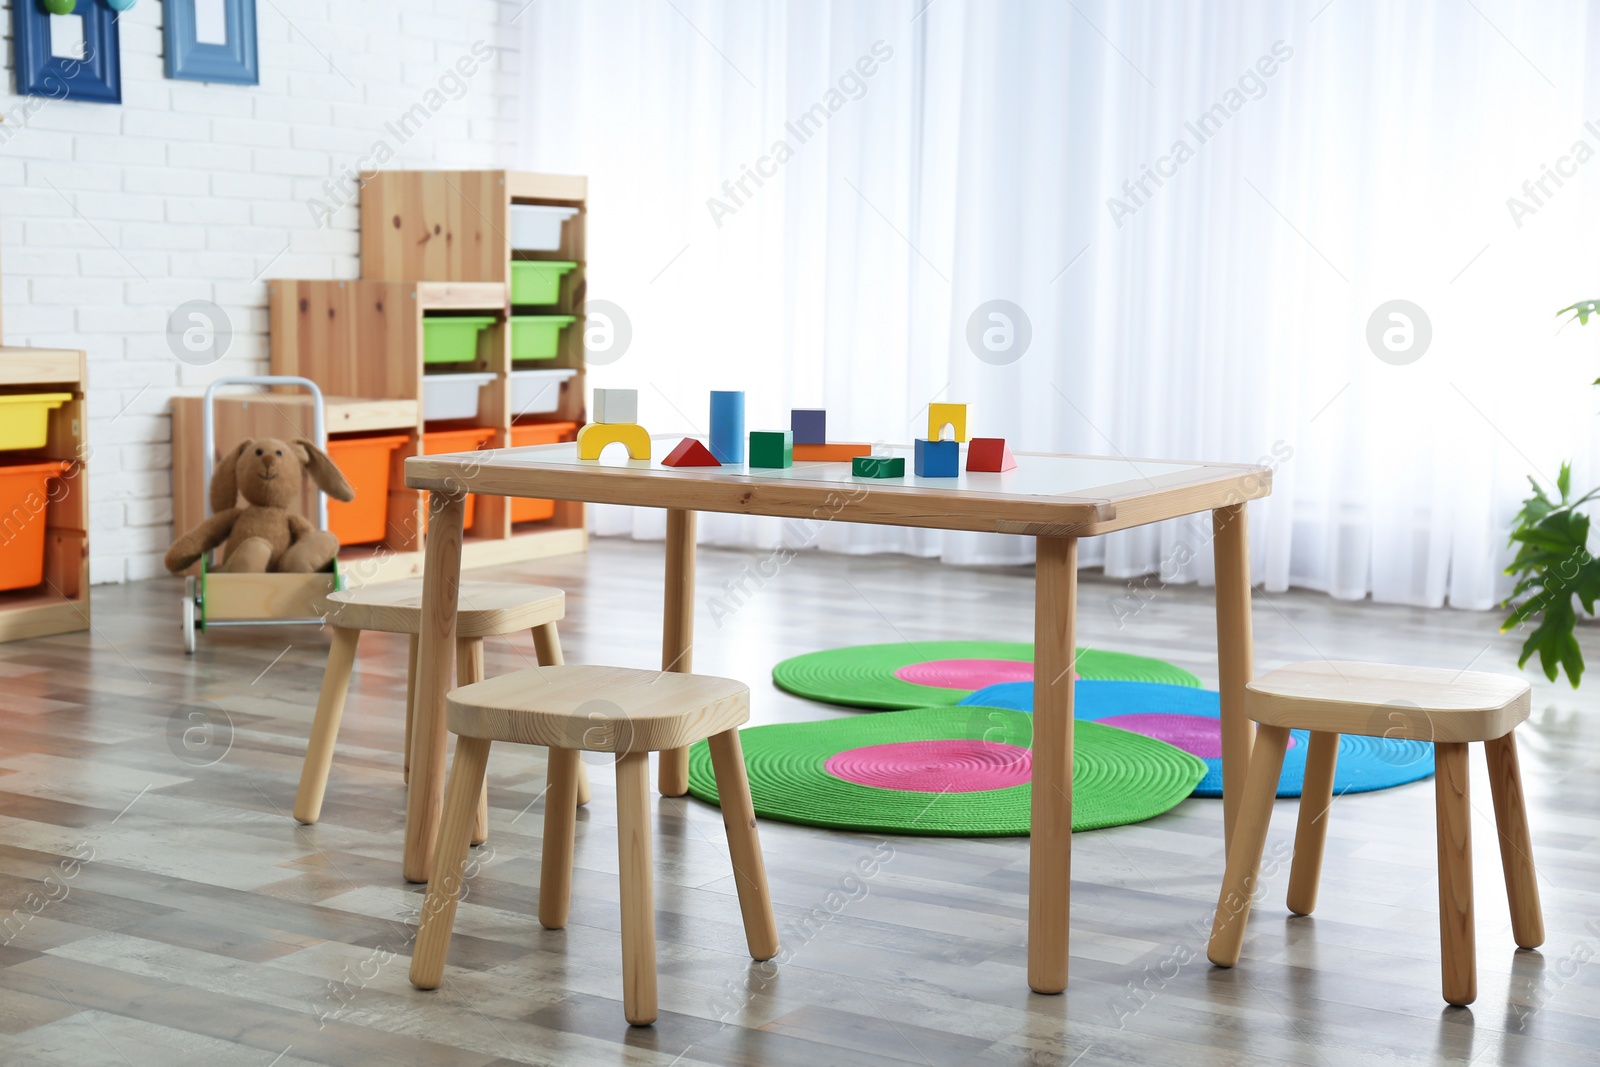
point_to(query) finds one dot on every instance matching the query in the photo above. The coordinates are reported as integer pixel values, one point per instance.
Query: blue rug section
(1365, 763)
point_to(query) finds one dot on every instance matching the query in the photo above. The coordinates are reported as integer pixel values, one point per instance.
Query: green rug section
(862, 676)
(1117, 777)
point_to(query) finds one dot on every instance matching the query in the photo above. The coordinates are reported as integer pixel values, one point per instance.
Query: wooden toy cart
(214, 598)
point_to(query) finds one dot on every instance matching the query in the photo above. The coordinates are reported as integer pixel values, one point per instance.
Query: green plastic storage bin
(537, 282)
(537, 336)
(452, 338)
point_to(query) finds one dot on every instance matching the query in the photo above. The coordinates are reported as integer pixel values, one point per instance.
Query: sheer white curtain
(1198, 209)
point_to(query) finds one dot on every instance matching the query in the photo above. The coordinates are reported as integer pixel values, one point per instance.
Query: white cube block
(615, 406)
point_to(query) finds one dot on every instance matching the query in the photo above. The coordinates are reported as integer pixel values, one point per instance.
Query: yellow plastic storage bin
(25, 418)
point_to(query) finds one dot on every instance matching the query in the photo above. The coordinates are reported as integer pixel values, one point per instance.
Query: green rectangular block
(878, 466)
(771, 448)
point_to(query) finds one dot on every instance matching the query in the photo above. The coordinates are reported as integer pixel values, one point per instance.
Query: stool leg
(469, 669)
(744, 844)
(1249, 839)
(1516, 845)
(1458, 951)
(1316, 800)
(547, 650)
(560, 823)
(411, 700)
(325, 726)
(638, 888)
(444, 889)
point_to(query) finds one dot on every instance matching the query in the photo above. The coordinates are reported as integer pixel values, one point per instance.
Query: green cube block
(878, 466)
(771, 448)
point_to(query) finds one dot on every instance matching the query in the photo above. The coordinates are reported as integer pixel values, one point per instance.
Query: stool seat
(1389, 700)
(598, 709)
(484, 609)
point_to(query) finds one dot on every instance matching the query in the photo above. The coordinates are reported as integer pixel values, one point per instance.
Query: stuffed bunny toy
(265, 535)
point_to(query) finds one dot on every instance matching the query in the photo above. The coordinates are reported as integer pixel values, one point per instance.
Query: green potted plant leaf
(1553, 564)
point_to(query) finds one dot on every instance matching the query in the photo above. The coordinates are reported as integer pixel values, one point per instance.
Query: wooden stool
(487, 609)
(598, 709)
(1449, 709)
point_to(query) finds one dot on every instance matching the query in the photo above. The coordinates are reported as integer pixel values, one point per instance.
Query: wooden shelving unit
(454, 226)
(432, 243)
(60, 604)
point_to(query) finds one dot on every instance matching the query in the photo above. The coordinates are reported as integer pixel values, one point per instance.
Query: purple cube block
(809, 426)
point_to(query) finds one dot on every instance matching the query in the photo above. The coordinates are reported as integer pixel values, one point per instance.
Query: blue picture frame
(96, 78)
(188, 59)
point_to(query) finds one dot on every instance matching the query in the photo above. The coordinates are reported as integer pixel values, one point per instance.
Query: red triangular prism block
(691, 453)
(990, 454)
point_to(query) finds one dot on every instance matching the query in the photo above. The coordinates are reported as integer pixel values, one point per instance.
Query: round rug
(1191, 719)
(932, 673)
(945, 771)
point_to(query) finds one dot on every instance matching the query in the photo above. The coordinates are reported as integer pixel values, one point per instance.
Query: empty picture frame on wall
(212, 41)
(69, 57)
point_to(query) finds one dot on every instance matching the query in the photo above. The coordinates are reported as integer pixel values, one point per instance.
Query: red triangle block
(990, 454)
(691, 453)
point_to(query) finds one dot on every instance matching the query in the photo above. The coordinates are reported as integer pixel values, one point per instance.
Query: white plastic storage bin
(537, 227)
(537, 392)
(452, 396)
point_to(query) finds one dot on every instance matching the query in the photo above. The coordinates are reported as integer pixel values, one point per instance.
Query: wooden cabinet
(60, 604)
(454, 226)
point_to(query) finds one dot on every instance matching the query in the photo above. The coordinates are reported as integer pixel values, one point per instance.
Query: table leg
(1235, 659)
(677, 634)
(1050, 846)
(441, 583)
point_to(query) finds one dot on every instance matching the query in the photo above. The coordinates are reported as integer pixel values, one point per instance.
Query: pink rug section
(956, 766)
(965, 673)
(1198, 735)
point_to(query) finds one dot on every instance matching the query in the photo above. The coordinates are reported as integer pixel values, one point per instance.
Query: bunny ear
(225, 480)
(322, 470)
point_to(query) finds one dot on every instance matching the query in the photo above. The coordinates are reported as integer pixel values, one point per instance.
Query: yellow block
(595, 436)
(941, 414)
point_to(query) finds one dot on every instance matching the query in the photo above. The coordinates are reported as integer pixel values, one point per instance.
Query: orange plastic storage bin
(468, 439)
(532, 509)
(24, 497)
(366, 463)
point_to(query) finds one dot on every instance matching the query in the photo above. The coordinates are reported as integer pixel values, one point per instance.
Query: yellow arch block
(952, 414)
(595, 436)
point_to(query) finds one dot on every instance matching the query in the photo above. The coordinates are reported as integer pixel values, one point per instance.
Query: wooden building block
(878, 466)
(937, 459)
(619, 406)
(593, 438)
(727, 425)
(772, 448)
(809, 426)
(990, 454)
(690, 453)
(942, 415)
(834, 453)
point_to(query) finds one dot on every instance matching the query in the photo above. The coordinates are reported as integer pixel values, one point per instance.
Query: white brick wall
(189, 191)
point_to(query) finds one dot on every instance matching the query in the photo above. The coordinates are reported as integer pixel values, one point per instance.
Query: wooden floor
(160, 906)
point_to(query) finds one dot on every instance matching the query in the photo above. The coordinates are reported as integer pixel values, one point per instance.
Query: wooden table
(1057, 499)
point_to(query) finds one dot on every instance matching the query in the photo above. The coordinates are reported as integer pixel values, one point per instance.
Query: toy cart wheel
(189, 621)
